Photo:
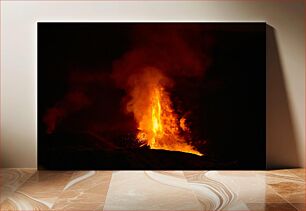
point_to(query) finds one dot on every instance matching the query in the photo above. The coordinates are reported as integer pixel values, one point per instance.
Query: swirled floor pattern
(29, 189)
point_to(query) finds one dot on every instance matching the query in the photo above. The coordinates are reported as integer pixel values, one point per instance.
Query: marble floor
(29, 189)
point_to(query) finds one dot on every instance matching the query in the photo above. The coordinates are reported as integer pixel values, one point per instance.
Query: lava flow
(158, 124)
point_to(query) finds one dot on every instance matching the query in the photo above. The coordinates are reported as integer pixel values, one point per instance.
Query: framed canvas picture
(167, 96)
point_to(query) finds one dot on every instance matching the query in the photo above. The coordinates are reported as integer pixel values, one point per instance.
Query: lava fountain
(159, 127)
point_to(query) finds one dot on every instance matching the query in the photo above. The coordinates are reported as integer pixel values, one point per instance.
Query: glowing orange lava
(158, 124)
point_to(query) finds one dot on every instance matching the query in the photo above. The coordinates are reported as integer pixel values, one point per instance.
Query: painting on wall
(170, 96)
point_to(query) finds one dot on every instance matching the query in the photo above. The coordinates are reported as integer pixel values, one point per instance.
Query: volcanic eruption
(157, 123)
(146, 72)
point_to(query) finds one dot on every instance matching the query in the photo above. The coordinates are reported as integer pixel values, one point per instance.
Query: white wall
(285, 146)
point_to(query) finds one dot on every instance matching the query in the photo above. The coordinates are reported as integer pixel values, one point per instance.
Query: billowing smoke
(175, 50)
(78, 97)
(72, 102)
(169, 50)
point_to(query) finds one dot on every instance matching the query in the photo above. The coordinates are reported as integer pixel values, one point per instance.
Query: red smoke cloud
(73, 101)
(176, 50)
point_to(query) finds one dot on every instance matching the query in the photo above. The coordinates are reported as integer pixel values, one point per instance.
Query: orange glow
(183, 125)
(158, 124)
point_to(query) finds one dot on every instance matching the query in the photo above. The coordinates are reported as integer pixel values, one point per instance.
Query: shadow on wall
(281, 151)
